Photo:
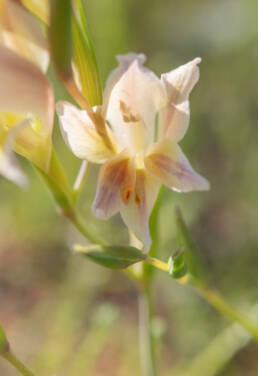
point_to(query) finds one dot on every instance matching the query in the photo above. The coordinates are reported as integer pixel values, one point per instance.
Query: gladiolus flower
(145, 118)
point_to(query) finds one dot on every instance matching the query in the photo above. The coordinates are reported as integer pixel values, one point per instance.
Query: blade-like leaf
(195, 264)
(60, 36)
(113, 257)
(85, 63)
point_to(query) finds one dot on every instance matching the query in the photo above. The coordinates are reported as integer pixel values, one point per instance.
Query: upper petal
(25, 90)
(21, 32)
(124, 62)
(174, 117)
(115, 185)
(133, 104)
(166, 161)
(137, 212)
(81, 135)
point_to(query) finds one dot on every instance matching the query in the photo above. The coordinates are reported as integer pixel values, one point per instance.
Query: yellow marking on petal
(128, 116)
(8, 120)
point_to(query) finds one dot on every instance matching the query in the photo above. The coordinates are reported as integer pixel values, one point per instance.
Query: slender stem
(12, 359)
(147, 348)
(213, 297)
(78, 222)
(217, 301)
(158, 264)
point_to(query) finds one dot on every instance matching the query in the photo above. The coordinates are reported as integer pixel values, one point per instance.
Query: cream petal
(21, 32)
(80, 134)
(10, 170)
(8, 164)
(115, 185)
(166, 161)
(137, 212)
(124, 61)
(25, 90)
(23, 47)
(174, 117)
(133, 104)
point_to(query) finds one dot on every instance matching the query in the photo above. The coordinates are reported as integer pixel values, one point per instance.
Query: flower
(26, 96)
(145, 118)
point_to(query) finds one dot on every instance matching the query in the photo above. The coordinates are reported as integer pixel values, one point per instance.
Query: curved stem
(16, 363)
(147, 346)
(218, 302)
(213, 297)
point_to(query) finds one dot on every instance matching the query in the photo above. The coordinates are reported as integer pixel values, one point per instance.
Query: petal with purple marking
(115, 185)
(166, 161)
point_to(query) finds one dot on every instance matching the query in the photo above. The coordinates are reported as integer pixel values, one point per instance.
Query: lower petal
(137, 212)
(115, 185)
(166, 161)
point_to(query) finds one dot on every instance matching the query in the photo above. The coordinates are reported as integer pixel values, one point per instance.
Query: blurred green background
(66, 316)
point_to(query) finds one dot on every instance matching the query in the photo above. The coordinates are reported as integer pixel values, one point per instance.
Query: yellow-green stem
(218, 302)
(213, 297)
(16, 363)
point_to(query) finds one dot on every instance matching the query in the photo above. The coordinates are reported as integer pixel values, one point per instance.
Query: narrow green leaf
(60, 36)
(86, 65)
(113, 257)
(195, 263)
(4, 345)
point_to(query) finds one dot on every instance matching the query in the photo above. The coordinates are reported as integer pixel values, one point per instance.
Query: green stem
(217, 301)
(213, 297)
(147, 345)
(58, 185)
(12, 359)
(78, 222)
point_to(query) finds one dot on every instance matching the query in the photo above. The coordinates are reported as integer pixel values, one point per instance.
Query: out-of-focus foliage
(67, 316)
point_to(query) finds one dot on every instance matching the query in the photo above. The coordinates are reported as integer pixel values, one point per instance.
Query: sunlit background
(66, 316)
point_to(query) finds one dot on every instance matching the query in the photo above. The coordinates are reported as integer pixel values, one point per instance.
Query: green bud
(113, 257)
(177, 265)
(4, 345)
